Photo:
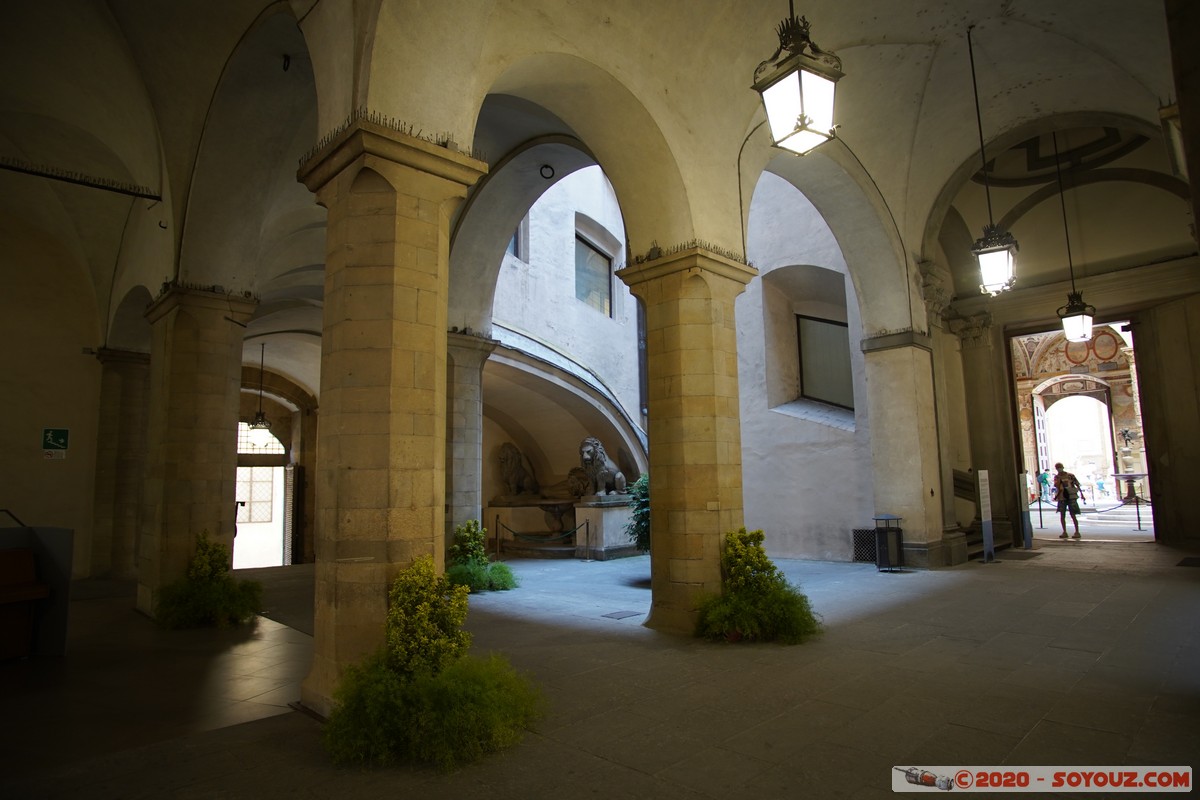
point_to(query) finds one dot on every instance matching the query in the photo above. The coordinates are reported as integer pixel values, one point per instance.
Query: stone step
(524, 548)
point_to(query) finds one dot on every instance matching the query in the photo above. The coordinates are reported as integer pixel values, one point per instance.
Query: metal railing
(544, 537)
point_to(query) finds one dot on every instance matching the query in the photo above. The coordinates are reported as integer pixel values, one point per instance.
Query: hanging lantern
(995, 251)
(1077, 318)
(797, 86)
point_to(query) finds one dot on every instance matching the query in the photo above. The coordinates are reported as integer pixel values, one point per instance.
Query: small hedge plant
(469, 565)
(638, 527)
(420, 698)
(756, 603)
(208, 596)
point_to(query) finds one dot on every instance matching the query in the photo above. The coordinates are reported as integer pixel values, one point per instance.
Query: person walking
(1067, 491)
(1044, 484)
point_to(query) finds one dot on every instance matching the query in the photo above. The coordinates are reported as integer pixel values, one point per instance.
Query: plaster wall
(807, 479)
(535, 295)
(47, 382)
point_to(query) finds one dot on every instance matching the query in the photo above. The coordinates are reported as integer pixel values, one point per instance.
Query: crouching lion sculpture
(602, 473)
(517, 479)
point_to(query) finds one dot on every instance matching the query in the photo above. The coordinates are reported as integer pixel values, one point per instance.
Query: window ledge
(821, 413)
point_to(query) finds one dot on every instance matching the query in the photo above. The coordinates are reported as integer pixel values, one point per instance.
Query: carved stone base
(603, 537)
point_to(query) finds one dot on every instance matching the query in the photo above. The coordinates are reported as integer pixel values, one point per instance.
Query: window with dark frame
(593, 276)
(824, 347)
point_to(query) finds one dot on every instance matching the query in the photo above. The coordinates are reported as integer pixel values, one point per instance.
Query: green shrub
(472, 574)
(366, 725)
(470, 543)
(501, 578)
(481, 576)
(472, 708)
(420, 699)
(208, 596)
(469, 565)
(638, 527)
(756, 602)
(423, 631)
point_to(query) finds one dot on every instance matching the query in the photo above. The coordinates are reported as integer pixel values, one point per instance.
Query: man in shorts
(1068, 491)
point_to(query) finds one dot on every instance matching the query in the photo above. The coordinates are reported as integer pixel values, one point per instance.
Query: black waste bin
(889, 543)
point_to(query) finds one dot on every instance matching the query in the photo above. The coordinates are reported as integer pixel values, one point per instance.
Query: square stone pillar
(990, 399)
(904, 443)
(464, 428)
(191, 461)
(381, 453)
(120, 461)
(694, 427)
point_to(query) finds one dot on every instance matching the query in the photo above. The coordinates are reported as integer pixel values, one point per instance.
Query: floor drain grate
(622, 614)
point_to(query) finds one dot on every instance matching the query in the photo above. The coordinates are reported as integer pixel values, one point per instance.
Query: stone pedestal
(603, 536)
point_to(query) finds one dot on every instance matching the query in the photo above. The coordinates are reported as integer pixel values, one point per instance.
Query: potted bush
(208, 595)
(756, 602)
(420, 698)
(468, 564)
(638, 528)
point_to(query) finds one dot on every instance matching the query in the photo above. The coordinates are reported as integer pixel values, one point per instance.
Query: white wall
(535, 295)
(806, 467)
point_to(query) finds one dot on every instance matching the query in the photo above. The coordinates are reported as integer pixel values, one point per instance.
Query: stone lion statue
(517, 478)
(602, 473)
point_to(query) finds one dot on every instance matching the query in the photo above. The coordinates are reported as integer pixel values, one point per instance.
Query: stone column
(191, 463)
(305, 456)
(464, 428)
(934, 280)
(904, 443)
(120, 460)
(989, 413)
(381, 452)
(694, 426)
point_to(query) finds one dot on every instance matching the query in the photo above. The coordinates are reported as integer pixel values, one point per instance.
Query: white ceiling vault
(210, 105)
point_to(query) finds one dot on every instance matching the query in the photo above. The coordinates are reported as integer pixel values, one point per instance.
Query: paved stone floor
(1073, 653)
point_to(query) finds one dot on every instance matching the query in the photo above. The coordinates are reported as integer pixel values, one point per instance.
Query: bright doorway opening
(260, 540)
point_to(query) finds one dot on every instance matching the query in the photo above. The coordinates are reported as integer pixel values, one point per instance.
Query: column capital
(237, 307)
(973, 331)
(467, 345)
(690, 260)
(933, 289)
(108, 355)
(364, 141)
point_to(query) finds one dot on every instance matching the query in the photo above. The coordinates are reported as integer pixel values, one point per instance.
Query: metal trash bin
(889, 543)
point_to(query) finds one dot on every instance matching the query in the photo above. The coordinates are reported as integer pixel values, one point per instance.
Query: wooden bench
(19, 590)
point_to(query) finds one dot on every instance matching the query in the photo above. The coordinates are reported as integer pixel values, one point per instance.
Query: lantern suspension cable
(987, 189)
(1076, 315)
(996, 249)
(260, 421)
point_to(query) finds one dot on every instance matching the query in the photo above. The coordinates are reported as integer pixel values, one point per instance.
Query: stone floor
(1073, 653)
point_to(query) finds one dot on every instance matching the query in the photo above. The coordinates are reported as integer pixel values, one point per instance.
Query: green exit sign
(55, 438)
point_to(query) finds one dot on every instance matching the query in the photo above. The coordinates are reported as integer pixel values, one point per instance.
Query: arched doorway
(1077, 403)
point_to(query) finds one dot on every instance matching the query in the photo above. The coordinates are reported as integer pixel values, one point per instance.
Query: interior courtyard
(304, 275)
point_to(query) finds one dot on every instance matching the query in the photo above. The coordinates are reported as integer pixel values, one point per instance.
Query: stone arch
(867, 235)
(941, 211)
(129, 329)
(607, 117)
(488, 218)
(244, 199)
